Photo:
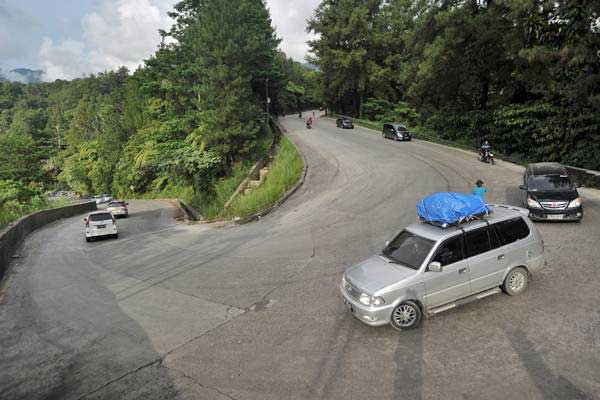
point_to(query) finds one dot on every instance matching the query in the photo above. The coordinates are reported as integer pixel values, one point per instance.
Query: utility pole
(268, 99)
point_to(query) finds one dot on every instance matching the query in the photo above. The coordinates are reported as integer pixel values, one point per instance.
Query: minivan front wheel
(516, 281)
(406, 316)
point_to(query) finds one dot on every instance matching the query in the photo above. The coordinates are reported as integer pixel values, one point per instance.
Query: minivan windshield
(550, 183)
(408, 249)
(401, 128)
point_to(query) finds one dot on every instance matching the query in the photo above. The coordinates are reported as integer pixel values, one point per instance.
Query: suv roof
(499, 213)
(547, 168)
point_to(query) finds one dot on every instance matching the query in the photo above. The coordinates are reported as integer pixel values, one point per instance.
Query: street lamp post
(268, 99)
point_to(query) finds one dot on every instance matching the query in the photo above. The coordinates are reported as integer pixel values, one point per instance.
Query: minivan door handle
(462, 270)
(501, 257)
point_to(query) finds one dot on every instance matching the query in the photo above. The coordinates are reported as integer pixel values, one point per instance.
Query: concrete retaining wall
(586, 177)
(12, 236)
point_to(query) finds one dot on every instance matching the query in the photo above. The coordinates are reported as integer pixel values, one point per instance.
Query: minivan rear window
(116, 204)
(512, 230)
(100, 217)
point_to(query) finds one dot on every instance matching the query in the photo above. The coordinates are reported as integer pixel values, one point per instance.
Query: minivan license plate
(347, 303)
(100, 226)
(555, 216)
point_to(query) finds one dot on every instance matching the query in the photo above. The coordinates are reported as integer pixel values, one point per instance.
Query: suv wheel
(516, 281)
(406, 316)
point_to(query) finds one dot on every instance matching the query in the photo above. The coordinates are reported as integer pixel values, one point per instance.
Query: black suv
(344, 123)
(396, 132)
(549, 193)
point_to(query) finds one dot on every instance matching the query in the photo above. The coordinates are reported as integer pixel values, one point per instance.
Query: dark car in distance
(344, 123)
(549, 193)
(396, 131)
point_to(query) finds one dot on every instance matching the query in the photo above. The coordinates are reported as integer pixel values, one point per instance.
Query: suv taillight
(114, 220)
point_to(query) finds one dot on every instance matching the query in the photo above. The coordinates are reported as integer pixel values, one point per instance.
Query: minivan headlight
(575, 203)
(532, 203)
(368, 300)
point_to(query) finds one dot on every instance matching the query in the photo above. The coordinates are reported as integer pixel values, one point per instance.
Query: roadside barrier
(13, 235)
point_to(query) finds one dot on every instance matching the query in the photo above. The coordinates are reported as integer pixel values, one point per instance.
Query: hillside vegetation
(192, 118)
(524, 74)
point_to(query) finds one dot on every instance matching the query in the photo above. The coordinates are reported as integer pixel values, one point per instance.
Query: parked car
(100, 223)
(118, 208)
(396, 131)
(427, 269)
(549, 193)
(344, 123)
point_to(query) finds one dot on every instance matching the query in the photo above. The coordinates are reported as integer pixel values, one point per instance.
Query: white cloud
(119, 33)
(289, 17)
(125, 32)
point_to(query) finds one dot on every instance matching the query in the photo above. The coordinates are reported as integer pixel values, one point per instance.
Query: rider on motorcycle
(485, 149)
(309, 122)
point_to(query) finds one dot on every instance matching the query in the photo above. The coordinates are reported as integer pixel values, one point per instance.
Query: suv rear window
(100, 217)
(116, 204)
(512, 230)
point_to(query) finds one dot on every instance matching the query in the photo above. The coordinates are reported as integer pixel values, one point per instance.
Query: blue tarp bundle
(451, 208)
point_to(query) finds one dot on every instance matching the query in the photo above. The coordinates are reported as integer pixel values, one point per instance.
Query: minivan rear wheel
(406, 315)
(516, 281)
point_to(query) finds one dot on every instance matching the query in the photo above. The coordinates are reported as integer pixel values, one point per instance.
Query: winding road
(174, 311)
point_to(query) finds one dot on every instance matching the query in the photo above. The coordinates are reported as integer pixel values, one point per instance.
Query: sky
(68, 39)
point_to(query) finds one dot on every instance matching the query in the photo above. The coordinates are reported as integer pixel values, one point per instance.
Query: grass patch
(285, 172)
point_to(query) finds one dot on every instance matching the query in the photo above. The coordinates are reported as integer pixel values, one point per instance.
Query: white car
(99, 199)
(107, 197)
(100, 223)
(118, 208)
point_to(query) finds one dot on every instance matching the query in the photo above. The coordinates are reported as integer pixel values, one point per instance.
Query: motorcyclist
(485, 149)
(309, 122)
(299, 114)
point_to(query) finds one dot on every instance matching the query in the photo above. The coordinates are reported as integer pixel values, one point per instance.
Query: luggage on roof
(448, 208)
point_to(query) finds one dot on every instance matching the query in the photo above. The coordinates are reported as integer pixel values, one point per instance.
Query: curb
(287, 195)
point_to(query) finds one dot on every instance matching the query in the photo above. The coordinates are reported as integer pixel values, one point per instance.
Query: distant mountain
(310, 66)
(23, 75)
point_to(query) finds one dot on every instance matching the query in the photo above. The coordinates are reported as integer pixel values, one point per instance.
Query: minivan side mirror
(435, 267)
(523, 187)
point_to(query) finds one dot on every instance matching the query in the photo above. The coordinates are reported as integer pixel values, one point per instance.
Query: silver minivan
(427, 269)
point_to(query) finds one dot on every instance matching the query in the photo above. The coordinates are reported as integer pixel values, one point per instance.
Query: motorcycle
(486, 156)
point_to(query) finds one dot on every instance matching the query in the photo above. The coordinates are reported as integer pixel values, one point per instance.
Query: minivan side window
(477, 242)
(450, 251)
(512, 230)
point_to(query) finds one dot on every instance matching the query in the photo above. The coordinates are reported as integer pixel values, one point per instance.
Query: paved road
(171, 311)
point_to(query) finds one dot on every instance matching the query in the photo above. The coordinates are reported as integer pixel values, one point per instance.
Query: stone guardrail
(13, 235)
(190, 212)
(254, 171)
(585, 177)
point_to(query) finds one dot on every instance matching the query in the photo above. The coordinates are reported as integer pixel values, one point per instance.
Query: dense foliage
(191, 116)
(524, 74)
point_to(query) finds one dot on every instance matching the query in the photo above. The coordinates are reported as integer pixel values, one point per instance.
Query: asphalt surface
(171, 311)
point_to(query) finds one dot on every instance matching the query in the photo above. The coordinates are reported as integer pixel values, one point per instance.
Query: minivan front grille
(554, 205)
(351, 290)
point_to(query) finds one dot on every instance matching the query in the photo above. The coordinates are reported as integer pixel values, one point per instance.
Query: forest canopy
(182, 121)
(524, 74)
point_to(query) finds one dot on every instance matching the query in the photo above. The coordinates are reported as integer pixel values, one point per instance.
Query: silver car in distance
(427, 269)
